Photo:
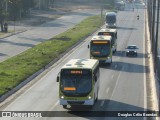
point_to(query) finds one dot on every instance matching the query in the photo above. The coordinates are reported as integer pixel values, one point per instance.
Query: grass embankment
(15, 70)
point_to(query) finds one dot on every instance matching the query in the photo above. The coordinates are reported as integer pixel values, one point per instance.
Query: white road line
(116, 83)
(112, 76)
(54, 105)
(107, 90)
(102, 103)
(116, 66)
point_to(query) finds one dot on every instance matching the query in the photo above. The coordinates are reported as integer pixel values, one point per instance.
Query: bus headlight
(62, 97)
(89, 97)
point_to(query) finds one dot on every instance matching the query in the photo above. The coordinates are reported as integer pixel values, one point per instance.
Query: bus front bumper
(76, 102)
(108, 60)
(111, 25)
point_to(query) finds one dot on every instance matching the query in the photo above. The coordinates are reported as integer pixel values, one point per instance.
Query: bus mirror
(58, 78)
(95, 78)
(88, 46)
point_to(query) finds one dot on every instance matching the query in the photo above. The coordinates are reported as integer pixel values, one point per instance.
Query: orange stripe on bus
(69, 88)
(100, 42)
(96, 52)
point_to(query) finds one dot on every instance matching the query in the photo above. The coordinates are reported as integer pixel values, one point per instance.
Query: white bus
(101, 49)
(79, 82)
(111, 19)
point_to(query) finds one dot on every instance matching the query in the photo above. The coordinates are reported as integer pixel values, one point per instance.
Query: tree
(2, 14)
(19, 8)
(26, 5)
(14, 9)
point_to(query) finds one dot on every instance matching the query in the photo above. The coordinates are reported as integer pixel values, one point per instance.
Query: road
(18, 43)
(122, 85)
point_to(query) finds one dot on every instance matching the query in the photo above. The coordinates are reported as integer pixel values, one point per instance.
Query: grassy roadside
(16, 69)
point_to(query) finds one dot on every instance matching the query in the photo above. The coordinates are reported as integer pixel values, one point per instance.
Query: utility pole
(6, 6)
(157, 30)
(149, 15)
(101, 9)
(153, 26)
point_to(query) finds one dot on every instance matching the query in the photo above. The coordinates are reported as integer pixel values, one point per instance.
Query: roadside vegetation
(16, 69)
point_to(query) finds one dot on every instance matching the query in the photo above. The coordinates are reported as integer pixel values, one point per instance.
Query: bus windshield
(110, 19)
(76, 82)
(100, 50)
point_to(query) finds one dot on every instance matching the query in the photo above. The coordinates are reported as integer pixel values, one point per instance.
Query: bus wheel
(96, 97)
(64, 106)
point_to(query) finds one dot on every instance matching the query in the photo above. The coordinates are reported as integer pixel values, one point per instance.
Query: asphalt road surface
(122, 85)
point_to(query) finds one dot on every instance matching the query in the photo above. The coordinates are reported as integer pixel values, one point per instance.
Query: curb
(153, 94)
(11, 34)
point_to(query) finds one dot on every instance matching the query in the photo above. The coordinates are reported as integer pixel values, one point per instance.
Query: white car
(131, 50)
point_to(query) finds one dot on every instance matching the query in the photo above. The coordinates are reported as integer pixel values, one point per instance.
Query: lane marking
(112, 76)
(116, 83)
(107, 90)
(116, 66)
(102, 103)
(54, 105)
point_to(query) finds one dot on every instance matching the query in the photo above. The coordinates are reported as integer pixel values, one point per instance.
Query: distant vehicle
(137, 17)
(111, 19)
(120, 5)
(101, 49)
(131, 50)
(130, 1)
(79, 82)
(113, 33)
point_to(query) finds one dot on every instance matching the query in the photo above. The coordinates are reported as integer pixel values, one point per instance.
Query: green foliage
(16, 8)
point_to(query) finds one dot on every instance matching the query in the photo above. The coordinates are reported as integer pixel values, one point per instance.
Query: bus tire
(64, 106)
(96, 97)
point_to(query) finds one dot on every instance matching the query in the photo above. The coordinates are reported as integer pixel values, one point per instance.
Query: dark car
(131, 50)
